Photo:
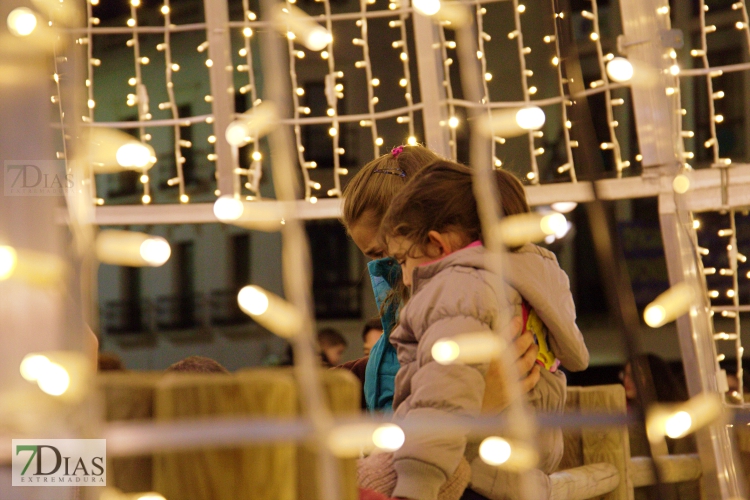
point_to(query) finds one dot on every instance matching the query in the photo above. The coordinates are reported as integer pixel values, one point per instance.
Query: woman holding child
(430, 230)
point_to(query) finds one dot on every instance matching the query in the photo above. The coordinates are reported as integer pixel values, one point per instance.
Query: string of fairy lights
(250, 178)
(366, 64)
(453, 120)
(255, 172)
(568, 166)
(613, 144)
(728, 234)
(334, 92)
(297, 110)
(528, 90)
(405, 82)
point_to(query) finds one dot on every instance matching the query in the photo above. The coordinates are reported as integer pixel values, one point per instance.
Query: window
(336, 284)
(240, 259)
(224, 310)
(178, 311)
(125, 315)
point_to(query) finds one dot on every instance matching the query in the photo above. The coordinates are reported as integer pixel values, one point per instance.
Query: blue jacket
(383, 365)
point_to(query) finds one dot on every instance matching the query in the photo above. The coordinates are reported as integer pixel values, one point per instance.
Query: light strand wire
(371, 99)
(611, 122)
(334, 97)
(533, 175)
(256, 168)
(408, 96)
(448, 92)
(295, 112)
(569, 165)
(179, 159)
(481, 35)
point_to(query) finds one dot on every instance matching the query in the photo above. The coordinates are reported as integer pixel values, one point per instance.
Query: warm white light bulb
(669, 305)
(564, 207)
(654, 315)
(237, 134)
(21, 21)
(554, 223)
(426, 7)
(253, 300)
(133, 155)
(495, 450)
(467, 348)
(453, 122)
(681, 184)
(388, 437)
(155, 251)
(8, 261)
(445, 352)
(531, 118)
(53, 379)
(33, 365)
(678, 424)
(620, 69)
(228, 208)
(318, 39)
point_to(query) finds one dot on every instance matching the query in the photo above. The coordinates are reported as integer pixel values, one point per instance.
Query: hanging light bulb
(258, 215)
(517, 230)
(669, 305)
(58, 373)
(21, 21)
(681, 184)
(512, 122)
(258, 121)
(351, 440)
(511, 455)
(291, 19)
(112, 151)
(676, 421)
(495, 450)
(426, 7)
(564, 207)
(620, 69)
(270, 311)
(35, 268)
(131, 248)
(468, 348)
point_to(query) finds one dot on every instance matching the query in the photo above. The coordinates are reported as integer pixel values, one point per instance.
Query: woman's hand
(527, 351)
(496, 397)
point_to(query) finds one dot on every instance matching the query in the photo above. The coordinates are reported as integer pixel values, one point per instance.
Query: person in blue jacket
(366, 198)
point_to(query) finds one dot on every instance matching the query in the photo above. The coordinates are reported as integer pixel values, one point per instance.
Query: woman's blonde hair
(371, 191)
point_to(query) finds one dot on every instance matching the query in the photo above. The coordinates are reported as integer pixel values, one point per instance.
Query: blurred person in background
(332, 346)
(654, 373)
(371, 332)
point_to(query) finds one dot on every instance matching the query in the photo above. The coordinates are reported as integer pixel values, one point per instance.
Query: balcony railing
(338, 301)
(216, 309)
(173, 313)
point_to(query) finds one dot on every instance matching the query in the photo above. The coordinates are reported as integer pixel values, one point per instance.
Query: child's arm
(438, 392)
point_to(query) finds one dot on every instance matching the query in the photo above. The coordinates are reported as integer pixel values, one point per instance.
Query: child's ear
(441, 242)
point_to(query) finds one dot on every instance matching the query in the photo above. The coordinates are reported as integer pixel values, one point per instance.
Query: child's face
(410, 256)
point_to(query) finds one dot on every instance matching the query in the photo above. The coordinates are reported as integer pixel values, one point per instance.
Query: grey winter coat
(456, 295)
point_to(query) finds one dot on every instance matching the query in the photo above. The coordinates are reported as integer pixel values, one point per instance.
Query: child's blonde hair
(440, 197)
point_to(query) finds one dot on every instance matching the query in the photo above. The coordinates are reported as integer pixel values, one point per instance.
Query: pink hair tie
(397, 151)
